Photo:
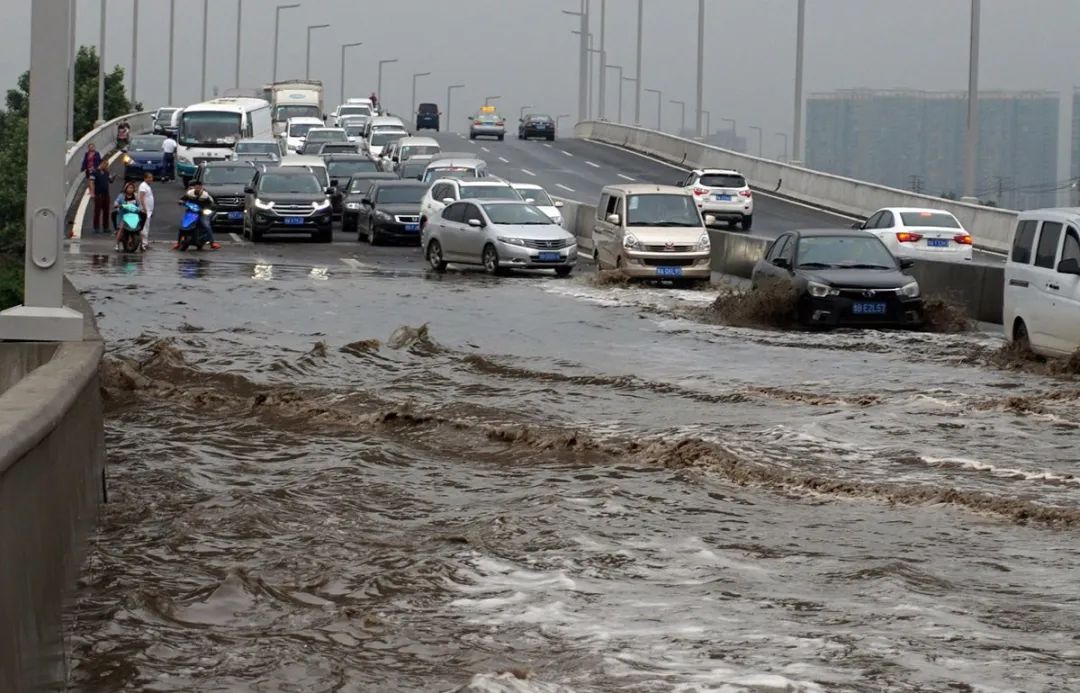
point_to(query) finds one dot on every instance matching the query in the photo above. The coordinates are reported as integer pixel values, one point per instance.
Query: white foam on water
(1005, 472)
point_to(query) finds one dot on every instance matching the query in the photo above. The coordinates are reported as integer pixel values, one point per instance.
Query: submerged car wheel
(435, 257)
(563, 271)
(1021, 338)
(491, 260)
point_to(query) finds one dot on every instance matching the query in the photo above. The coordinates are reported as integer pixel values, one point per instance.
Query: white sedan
(923, 234)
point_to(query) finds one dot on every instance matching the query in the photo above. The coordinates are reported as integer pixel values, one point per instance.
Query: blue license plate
(549, 257)
(412, 227)
(875, 308)
(937, 242)
(294, 221)
(236, 216)
(669, 271)
(724, 198)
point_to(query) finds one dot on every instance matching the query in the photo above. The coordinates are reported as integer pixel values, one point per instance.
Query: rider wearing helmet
(199, 196)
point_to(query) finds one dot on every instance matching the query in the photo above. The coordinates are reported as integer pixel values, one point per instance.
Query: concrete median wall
(104, 140)
(990, 227)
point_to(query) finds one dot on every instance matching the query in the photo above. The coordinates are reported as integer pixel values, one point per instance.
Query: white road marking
(624, 177)
(527, 172)
(589, 163)
(560, 185)
(236, 238)
(547, 145)
(505, 161)
(566, 152)
(353, 262)
(485, 149)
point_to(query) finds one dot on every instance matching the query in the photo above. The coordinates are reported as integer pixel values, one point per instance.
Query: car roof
(413, 139)
(257, 140)
(915, 210)
(526, 186)
(472, 182)
(823, 232)
(326, 130)
(303, 160)
(646, 188)
(456, 163)
(288, 170)
(717, 171)
(303, 120)
(223, 163)
(343, 156)
(1058, 213)
(399, 183)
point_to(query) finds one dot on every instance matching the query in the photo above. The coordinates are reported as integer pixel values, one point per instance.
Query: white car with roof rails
(1041, 309)
(538, 197)
(920, 233)
(447, 190)
(723, 193)
(379, 140)
(384, 123)
(455, 168)
(296, 130)
(354, 127)
(347, 110)
(406, 148)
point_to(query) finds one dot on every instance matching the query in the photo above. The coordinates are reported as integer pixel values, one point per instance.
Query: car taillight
(701, 191)
(501, 123)
(746, 193)
(908, 237)
(962, 238)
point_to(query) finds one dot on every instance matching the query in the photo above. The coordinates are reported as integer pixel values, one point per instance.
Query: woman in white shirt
(146, 201)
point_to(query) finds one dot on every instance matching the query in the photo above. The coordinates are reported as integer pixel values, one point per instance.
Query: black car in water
(341, 168)
(287, 200)
(841, 277)
(427, 117)
(354, 196)
(537, 125)
(226, 181)
(390, 210)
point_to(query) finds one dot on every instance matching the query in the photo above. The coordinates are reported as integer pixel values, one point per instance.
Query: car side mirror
(782, 263)
(613, 219)
(249, 190)
(559, 204)
(447, 200)
(908, 263)
(476, 223)
(858, 225)
(1069, 265)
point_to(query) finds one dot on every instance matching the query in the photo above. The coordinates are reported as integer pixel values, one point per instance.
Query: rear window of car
(1023, 242)
(429, 108)
(940, 220)
(723, 180)
(489, 192)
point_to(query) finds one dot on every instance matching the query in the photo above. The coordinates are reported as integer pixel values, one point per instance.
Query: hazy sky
(523, 51)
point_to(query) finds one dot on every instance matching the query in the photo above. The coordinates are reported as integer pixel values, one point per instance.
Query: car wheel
(373, 236)
(563, 271)
(596, 258)
(472, 136)
(501, 137)
(1021, 338)
(747, 222)
(491, 260)
(551, 138)
(324, 235)
(256, 234)
(435, 256)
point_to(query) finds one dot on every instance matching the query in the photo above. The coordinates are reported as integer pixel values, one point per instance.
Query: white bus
(208, 131)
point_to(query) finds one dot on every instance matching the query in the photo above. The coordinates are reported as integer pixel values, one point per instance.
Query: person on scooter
(199, 196)
(128, 196)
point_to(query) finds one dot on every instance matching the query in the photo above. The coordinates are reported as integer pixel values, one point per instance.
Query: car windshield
(257, 148)
(412, 169)
(209, 129)
(353, 111)
(349, 167)
(146, 144)
(941, 220)
(296, 111)
(409, 151)
(723, 180)
(662, 210)
(166, 113)
(489, 192)
(538, 196)
(381, 139)
(316, 136)
(403, 194)
(457, 172)
(354, 130)
(300, 129)
(278, 183)
(823, 252)
(517, 214)
(228, 175)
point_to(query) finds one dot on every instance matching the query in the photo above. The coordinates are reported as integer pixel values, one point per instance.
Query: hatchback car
(841, 277)
(145, 154)
(928, 234)
(487, 125)
(724, 194)
(448, 190)
(287, 200)
(537, 125)
(427, 117)
(390, 210)
(500, 235)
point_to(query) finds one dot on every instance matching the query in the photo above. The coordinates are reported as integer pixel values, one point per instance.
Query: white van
(1042, 282)
(296, 130)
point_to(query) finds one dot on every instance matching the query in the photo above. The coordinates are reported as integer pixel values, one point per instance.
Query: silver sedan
(487, 125)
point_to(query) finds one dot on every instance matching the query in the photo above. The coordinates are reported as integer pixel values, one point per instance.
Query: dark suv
(537, 125)
(427, 117)
(287, 200)
(226, 181)
(390, 209)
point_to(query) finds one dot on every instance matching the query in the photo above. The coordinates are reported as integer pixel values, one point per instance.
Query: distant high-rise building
(898, 137)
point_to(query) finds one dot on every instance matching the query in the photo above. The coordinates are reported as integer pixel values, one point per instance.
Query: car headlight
(128, 159)
(909, 290)
(818, 290)
(379, 214)
(512, 241)
(319, 206)
(352, 205)
(703, 243)
(259, 204)
(630, 242)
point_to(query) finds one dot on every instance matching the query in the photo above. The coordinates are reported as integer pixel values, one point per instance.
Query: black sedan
(352, 201)
(841, 277)
(390, 210)
(341, 168)
(537, 125)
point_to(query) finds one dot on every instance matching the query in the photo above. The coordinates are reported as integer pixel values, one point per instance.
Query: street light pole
(72, 55)
(205, 29)
(449, 93)
(682, 107)
(734, 135)
(521, 114)
(601, 109)
(412, 104)
(659, 108)
(700, 67)
(583, 58)
(708, 122)
(101, 65)
(277, 33)
(378, 92)
(755, 127)
(619, 84)
(637, 74)
(307, 63)
(343, 49)
(134, 48)
(172, 45)
(239, 36)
(489, 99)
(558, 119)
(800, 32)
(971, 137)
(784, 156)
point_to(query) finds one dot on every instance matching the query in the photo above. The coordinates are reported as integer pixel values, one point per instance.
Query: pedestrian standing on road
(146, 201)
(170, 157)
(91, 161)
(98, 188)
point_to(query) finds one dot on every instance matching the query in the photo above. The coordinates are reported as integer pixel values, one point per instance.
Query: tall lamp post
(619, 84)
(378, 91)
(134, 48)
(343, 49)
(659, 108)
(239, 37)
(205, 29)
(449, 94)
(101, 65)
(489, 99)
(277, 32)
(416, 75)
(700, 68)
(783, 156)
(172, 45)
(755, 127)
(637, 73)
(682, 109)
(971, 136)
(583, 58)
(800, 32)
(307, 62)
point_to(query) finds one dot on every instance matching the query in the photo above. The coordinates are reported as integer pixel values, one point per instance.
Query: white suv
(1041, 310)
(446, 190)
(723, 193)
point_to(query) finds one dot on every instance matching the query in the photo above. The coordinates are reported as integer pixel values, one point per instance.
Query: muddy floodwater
(327, 477)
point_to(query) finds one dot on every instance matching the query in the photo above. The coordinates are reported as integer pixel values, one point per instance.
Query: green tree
(86, 92)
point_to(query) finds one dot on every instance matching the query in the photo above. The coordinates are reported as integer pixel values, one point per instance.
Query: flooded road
(331, 472)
